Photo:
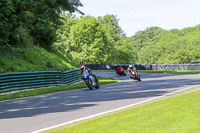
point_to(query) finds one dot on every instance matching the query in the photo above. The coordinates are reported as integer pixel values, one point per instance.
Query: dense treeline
(28, 25)
(90, 40)
(32, 22)
(158, 46)
(85, 40)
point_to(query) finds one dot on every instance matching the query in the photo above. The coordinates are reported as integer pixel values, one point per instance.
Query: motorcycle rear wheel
(97, 86)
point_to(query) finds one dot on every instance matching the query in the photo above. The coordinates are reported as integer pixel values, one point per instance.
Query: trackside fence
(146, 66)
(27, 80)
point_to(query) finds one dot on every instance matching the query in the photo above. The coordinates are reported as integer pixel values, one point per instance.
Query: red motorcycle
(120, 71)
(135, 75)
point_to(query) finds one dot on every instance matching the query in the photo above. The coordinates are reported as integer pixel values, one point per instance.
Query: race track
(30, 114)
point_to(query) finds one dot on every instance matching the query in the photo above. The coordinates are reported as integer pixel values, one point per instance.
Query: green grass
(158, 71)
(33, 58)
(170, 71)
(46, 90)
(174, 115)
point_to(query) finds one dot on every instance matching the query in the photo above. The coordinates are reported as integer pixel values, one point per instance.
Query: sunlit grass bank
(33, 58)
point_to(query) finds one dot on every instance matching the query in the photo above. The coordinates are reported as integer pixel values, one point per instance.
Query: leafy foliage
(28, 22)
(90, 40)
(158, 46)
(120, 47)
(7, 20)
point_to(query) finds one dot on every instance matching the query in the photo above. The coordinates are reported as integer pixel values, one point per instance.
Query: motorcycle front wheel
(138, 78)
(89, 84)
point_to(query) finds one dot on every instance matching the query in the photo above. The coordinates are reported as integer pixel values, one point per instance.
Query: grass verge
(33, 58)
(158, 71)
(170, 71)
(176, 114)
(46, 90)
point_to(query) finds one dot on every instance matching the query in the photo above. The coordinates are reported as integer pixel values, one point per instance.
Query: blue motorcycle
(90, 80)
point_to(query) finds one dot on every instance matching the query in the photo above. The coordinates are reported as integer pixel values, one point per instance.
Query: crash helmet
(82, 67)
(130, 66)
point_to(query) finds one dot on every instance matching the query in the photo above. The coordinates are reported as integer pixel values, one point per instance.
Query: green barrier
(27, 80)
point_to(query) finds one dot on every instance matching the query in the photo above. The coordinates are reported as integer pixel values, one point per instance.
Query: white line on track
(95, 115)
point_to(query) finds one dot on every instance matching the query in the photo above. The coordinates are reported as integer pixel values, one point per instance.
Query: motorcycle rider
(130, 69)
(83, 68)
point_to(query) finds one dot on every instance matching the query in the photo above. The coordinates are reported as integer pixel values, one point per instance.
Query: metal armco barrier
(71, 76)
(27, 80)
(100, 66)
(147, 66)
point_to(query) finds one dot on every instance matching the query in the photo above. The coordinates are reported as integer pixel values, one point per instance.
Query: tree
(63, 33)
(88, 42)
(7, 20)
(120, 52)
(157, 46)
(47, 19)
(33, 21)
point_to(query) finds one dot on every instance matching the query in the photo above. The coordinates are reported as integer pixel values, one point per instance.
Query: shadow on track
(84, 98)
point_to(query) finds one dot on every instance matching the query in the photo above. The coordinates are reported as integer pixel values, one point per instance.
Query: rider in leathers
(83, 68)
(130, 69)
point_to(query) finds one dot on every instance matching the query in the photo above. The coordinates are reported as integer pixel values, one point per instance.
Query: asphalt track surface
(34, 113)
